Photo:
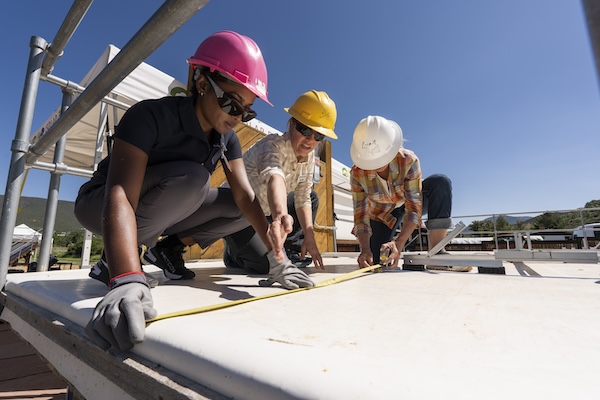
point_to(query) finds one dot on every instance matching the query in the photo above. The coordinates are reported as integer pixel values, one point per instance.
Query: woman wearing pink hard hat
(156, 182)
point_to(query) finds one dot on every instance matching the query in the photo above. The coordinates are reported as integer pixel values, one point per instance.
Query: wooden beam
(324, 223)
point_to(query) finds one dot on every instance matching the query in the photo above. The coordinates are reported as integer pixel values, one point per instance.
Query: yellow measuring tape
(214, 307)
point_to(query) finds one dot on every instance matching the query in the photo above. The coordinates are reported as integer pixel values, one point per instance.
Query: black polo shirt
(167, 130)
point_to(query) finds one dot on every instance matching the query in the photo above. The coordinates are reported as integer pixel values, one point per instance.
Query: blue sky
(501, 96)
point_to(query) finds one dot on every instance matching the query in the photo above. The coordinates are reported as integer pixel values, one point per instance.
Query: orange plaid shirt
(372, 201)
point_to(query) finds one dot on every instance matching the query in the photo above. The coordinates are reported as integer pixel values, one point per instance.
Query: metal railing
(528, 232)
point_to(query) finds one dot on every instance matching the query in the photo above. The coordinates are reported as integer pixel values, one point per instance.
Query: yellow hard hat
(315, 110)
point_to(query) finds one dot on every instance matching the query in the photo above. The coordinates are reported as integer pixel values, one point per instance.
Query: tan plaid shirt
(274, 155)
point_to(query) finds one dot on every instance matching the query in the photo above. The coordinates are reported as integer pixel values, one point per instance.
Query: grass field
(76, 261)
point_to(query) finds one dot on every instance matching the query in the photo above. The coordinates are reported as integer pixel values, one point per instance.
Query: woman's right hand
(277, 233)
(365, 259)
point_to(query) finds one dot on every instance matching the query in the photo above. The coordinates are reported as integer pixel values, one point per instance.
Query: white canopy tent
(87, 137)
(24, 233)
(24, 242)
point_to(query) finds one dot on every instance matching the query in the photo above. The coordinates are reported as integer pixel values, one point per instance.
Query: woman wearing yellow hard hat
(280, 170)
(388, 194)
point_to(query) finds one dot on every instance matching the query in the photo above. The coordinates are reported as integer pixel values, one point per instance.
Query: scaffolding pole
(66, 30)
(53, 189)
(169, 17)
(16, 173)
(591, 10)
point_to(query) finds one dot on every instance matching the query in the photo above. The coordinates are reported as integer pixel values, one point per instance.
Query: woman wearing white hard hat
(388, 193)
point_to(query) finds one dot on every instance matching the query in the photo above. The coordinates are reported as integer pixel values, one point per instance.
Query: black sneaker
(100, 272)
(170, 261)
(297, 261)
(227, 259)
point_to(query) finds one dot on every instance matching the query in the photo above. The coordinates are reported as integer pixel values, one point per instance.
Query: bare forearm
(120, 235)
(363, 241)
(407, 229)
(277, 196)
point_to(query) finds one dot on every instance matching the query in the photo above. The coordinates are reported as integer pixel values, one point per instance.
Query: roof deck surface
(532, 333)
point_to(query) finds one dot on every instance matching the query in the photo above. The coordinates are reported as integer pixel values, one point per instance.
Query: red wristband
(127, 277)
(125, 274)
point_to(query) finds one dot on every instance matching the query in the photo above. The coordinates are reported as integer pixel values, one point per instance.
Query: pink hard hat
(235, 56)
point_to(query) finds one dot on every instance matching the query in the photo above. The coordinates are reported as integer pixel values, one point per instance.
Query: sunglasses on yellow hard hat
(231, 105)
(307, 132)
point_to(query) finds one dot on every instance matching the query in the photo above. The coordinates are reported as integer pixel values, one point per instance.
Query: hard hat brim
(318, 128)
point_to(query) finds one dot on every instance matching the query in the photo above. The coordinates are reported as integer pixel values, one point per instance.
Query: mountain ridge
(511, 219)
(33, 209)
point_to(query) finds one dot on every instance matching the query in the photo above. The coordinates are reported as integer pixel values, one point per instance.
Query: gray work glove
(284, 272)
(119, 320)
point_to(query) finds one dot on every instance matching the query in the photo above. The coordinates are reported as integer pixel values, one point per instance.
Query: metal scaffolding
(591, 9)
(165, 22)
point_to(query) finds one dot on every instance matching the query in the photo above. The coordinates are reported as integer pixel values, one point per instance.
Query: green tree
(502, 224)
(593, 204)
(480, 226)
(548, 221)
(592, 216)
(521, 225)
(566, 221)
(73, 241)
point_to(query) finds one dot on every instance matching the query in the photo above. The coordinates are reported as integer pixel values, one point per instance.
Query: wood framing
(324, 223)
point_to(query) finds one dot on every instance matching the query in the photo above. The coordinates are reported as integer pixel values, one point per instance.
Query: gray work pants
(176, 198)
(244, 249)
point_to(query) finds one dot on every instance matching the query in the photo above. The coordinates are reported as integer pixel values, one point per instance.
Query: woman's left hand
(310, 246)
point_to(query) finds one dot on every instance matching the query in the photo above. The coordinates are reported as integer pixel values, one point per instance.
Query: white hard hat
(375, 143)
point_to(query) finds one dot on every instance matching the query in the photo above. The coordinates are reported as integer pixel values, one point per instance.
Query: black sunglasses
(307, 132)
(231, 105)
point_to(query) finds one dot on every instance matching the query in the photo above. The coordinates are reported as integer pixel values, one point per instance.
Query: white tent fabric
(340, 174)
(25, 233)
(145, 82)
(342, 199)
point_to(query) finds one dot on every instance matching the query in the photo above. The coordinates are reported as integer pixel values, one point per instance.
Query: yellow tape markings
(214, 307)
